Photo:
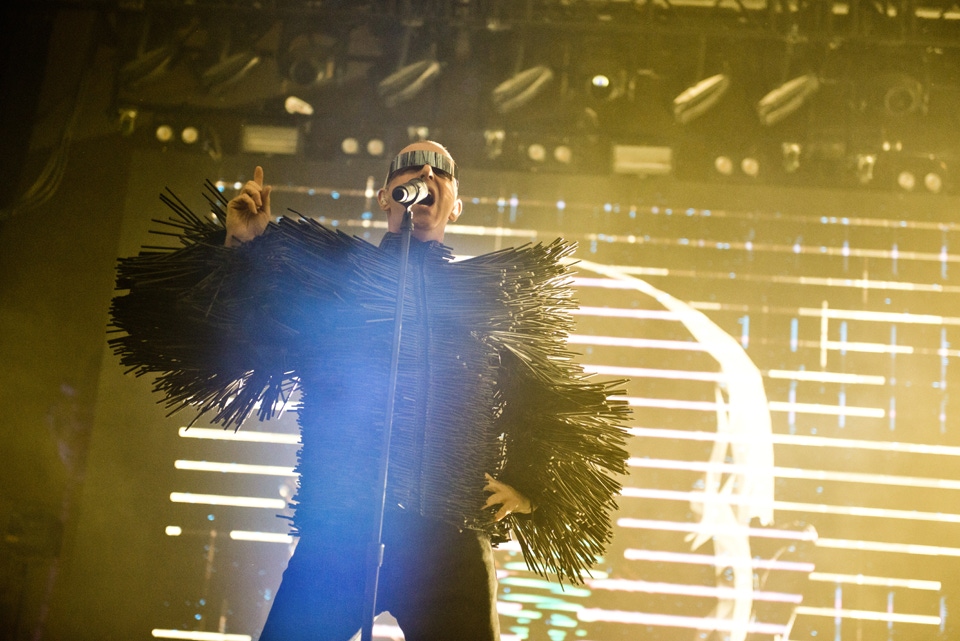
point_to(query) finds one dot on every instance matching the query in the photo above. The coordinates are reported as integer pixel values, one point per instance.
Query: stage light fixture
(493, 140)
(375, 147)
(164, 133)
(563, 154)
(350, 146)
(698, 99)
(723, 165)
(865, 165)
(537, 152)
(408, 81)
(308, 59)
(933, 182)
(907, 180)
(786, 99)
(295, 105)
(229, 71)
(517, 91)
(418, 133)
(270, 139)
(791, 156)
(601, 86)
(190, 135)
(750, 166)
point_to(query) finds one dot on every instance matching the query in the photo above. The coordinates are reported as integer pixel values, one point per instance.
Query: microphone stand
(375, 551)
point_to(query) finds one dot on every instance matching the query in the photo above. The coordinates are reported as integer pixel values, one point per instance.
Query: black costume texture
(486, 383)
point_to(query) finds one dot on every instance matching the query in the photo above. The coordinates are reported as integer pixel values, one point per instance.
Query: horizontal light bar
(789, 506)
(800, 440)
(742, 530)
(879, 581)
(863, 348)
(233, 501)
(262, 537)
(674, 621)
(646, 372)
(829, 410)
(173, 530)
(852, 283)
(249, 436)
(234, 468)
(899, 318)
(621, 312)
(798, 473)
(827, 377)
(774, 406)
(897, 548)
(640, 343)
(649, 587)
(198, 636)
(867, 615)
(659, 556)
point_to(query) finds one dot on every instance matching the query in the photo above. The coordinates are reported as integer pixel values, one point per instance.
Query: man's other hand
(249, 212)
(509, 500)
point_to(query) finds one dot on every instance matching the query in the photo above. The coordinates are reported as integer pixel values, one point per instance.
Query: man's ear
(457, 210)
(383, 200)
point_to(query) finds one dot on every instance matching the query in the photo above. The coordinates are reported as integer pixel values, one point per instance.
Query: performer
(496, 429)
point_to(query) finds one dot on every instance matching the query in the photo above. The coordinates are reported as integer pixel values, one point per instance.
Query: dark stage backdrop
(795, 454)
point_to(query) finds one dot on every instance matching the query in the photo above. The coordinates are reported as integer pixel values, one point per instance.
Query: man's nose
(426, 172)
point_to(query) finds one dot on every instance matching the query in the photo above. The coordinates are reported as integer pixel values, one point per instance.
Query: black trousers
(437, 581)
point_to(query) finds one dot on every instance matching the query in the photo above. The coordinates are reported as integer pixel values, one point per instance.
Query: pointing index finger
(258, 175)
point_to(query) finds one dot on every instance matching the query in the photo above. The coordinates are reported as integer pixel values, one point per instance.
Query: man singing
(495, 428)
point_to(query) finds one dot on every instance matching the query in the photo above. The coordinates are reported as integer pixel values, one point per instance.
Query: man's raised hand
(249, 212)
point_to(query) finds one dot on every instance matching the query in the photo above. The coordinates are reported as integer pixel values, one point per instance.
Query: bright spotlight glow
(164, 133)
(189, 135)
(600, 81)
(723, 165)
(563, 154)
(350, 146)
(173, 530)
(537, 152)
(294, 105)
(375, 147)
(933, 182)
(907, 180)
(750, 166)
(262, 537)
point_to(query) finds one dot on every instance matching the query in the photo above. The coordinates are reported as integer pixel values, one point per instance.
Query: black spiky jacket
(485, 384)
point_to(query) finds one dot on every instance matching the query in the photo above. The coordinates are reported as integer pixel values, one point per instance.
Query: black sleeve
(224, 328)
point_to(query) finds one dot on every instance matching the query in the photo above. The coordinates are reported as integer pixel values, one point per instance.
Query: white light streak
(859, 579)
(774, 406)
(248, 436)
(803, 440)
(659, 556)
(673, 621)
(262, 537)
(173, 530)
(880, 546)
(234, 468)
(827, 377)
(799, 473)
(233, 501)
(641, 343)
(867, 615)
(649, 587)
(198, 636)
(675, 526)
(789, 506)
(645, 372)
(865, 348)
(900, 318)
(619, 312)
(830, 410)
